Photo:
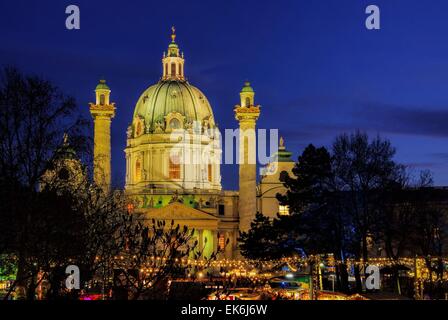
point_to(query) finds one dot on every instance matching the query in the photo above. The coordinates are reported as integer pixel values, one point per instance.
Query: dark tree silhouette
(262, 241)
(340, 203)
(34, 115)
(315, 202)
(153, 254)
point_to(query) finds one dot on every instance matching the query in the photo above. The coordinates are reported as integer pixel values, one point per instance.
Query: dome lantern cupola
(173, 61)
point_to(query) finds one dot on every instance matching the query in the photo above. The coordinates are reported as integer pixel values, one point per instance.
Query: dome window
(175, 123)
(138, 170)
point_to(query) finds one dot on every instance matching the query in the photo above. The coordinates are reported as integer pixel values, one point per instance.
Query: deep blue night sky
(316, 69)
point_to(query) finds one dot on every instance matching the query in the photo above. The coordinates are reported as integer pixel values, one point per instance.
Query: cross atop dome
(65, 151)
(282, 144)
(173, 35)
(173, 48)
(65, 138)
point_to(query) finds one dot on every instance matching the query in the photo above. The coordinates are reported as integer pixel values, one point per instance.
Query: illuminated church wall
(173, 158)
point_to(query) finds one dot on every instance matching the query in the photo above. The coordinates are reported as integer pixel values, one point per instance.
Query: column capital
(97, 110)
(247, 113)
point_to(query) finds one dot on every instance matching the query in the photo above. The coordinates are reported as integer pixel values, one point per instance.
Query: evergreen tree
(261, 241)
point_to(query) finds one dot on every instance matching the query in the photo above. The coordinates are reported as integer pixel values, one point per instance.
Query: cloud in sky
(426, 121)
(347, 114)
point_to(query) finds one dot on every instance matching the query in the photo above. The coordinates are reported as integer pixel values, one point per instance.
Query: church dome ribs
(173, 96)
(151, 154)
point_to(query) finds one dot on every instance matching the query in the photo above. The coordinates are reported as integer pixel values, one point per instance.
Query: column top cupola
(102, 106)
(247, 109)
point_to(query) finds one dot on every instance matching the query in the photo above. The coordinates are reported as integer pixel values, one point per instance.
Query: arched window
(166, 69)
(102, 100)
(174, 167)
(173, 69)
(210, 172)
(175, 123)
(138, 170)
(247, 102)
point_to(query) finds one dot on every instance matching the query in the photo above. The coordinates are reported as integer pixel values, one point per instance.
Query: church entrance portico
(204, 224)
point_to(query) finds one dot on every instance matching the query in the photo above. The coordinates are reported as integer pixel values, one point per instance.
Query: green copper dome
(65, 151)
(282, 155)
(247, 87)
(173, 96)
(102, 85)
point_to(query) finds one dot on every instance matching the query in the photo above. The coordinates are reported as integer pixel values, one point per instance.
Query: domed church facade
(162, 114)
(173, 155)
